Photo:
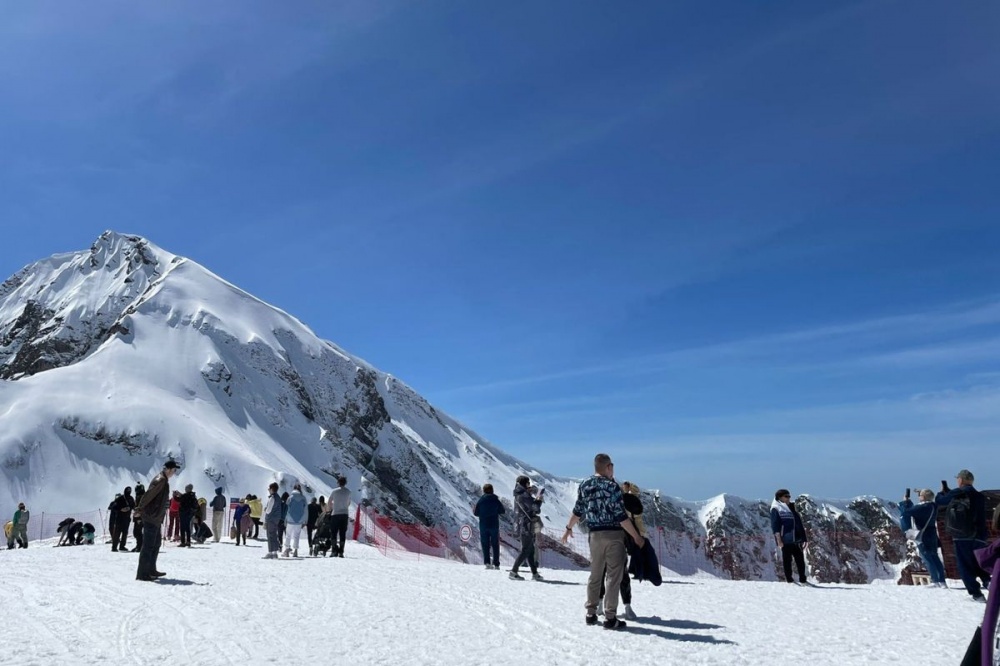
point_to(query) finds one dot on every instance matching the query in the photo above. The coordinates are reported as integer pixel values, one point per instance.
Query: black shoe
(157, 574)
(136, 549)
(114, 550)
(148, 579)
(614, 624)
(591, 619)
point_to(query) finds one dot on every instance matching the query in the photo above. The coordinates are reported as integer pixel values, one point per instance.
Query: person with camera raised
(923, 518)
(965, 520)
(528, 522)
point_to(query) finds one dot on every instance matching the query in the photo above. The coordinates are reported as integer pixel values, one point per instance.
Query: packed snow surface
(223, 604)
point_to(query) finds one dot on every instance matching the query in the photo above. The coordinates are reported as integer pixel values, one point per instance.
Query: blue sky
(737, 245)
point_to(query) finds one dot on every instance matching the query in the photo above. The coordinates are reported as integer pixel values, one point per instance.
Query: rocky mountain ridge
(116, 358)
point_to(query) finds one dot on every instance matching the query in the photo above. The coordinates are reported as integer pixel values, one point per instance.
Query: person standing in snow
(19, 528)
(281, 523)
(969, 537)
(789, 534)
(296, 516)
(255, 512)
(174, 523)
(600, 504)
(242, 522)
(340, 507)
(188, 508)
(488, 509)
(526, 515)
(633, 508)
(218, 513)
(121, 519)
(151, 509)
(313, 514)
(272, 517)
(923, 517)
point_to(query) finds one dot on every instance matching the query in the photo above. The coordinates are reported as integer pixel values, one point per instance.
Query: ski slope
(223, 604)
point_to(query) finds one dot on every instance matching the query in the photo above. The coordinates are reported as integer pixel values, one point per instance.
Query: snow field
(223, 604)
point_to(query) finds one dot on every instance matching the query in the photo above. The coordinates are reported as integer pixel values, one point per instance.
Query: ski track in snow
(222, 604)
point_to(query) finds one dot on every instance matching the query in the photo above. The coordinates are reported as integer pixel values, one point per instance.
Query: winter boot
(629, 613)
(515, 576)
(287, 552)
(295, 553)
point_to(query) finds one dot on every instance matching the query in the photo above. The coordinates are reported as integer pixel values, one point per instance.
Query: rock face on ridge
(114, 359)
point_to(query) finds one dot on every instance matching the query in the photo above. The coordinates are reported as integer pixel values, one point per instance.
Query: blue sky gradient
(736, 245)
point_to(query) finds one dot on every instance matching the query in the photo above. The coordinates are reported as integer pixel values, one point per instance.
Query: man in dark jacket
(488, 509)
(789, 534)
(218, 513)
(965, 544)
(136, 520)
(121, 519)
(189, 507)
(923, 517)
(151, 509)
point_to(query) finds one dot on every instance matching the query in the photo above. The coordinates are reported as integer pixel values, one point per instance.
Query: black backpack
(959, 519)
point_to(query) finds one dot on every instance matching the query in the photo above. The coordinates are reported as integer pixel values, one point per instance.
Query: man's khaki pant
(607, 549)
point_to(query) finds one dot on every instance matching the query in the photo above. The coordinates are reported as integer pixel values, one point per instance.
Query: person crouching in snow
(87, 535)
(789, 534)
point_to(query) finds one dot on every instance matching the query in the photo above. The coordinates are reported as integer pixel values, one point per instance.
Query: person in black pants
(189, 506)
(789, 534)
(527, 508)
(970, 537)
(311, 516)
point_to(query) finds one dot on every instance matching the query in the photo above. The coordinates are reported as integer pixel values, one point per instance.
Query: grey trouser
(217, 516)
(273, 545)
(607, 549)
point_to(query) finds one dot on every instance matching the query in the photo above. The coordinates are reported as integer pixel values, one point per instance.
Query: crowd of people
(611, 513)
(284, 518)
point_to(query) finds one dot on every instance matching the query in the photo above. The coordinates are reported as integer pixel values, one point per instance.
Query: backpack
(959, 519)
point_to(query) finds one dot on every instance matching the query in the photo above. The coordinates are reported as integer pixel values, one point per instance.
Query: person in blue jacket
(965, 545)
(923, 517)
(488, 509)
(789, 534)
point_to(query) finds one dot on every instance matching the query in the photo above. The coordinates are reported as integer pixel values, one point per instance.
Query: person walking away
(923, 517)
(526, 515)
(296, 516)
(218, 513)
(188, 508)
(151, 509)
(272, 516)
(313, 515)
(19, 528)
(340, 507)
(488, 509)
(965, 520)
(600, 505)
(789, 534)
